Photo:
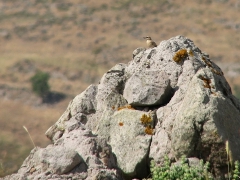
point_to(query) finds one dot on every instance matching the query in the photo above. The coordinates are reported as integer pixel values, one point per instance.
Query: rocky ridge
(171, 100)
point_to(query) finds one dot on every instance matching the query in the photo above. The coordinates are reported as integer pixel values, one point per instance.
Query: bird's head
(147, 38)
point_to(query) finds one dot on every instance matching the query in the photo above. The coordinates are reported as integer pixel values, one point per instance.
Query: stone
(145, 110)
(129, 141)
(84, 103)
(148, 88)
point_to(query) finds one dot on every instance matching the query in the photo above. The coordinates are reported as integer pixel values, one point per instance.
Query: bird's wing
(153, 44)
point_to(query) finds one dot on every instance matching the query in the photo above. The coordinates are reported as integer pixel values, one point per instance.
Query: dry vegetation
(77, 41)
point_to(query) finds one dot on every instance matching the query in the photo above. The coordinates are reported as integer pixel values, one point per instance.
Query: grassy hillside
(78, 40)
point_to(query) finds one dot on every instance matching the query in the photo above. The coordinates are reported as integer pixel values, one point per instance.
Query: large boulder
(129, 141)
(171, 100)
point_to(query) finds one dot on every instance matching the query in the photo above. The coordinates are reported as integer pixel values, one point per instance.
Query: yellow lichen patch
(180, 55)
(145, 119)
(190, 53)
(61, 127)
(149, 130)
(126, 107)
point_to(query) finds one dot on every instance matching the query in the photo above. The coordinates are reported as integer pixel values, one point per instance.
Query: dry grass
(15, 144)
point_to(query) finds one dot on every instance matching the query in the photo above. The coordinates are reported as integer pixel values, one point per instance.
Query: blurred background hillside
(76, 41)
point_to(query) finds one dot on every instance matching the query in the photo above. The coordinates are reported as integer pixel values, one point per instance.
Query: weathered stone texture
(191, 112)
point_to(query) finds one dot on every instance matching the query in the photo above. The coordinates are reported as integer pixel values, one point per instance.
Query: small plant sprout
(229, 156)
(29, 135)
(180, 172)
(236, 173)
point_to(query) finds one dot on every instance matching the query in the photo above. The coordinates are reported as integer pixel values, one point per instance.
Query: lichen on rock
(165, 108)
(180, 55)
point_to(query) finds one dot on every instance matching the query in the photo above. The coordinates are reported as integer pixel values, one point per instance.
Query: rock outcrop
(171, 100)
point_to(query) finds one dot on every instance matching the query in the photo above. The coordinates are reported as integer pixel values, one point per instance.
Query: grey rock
(113, 102)
(148, 88)
(84, 103)
(58, 159)
(197, 120)
(138, 52)
(129, 141)
(112, 82)
(71, 156)
(100, 136)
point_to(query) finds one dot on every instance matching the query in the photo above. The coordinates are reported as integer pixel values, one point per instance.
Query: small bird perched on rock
(150, 42)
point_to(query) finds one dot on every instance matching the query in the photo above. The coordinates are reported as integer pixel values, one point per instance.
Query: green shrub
(40, 84)
(180, 172)
(236, 172)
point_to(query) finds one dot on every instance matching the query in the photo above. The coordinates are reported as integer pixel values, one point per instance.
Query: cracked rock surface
(147, 109)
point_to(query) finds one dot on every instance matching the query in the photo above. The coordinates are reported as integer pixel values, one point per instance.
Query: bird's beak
(144, 37)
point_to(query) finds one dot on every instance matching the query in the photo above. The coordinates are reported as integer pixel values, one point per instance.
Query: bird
(150, 42)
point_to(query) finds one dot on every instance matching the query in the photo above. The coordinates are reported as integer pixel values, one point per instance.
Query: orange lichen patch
(126, 107)
(145, 119)
(217, 72)
(149, 130)
(120, 108)
(207, 62)
(207, 86)
(120, 123)
(190, 53)
(129, 107)
(180, 55)
(206, 81)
